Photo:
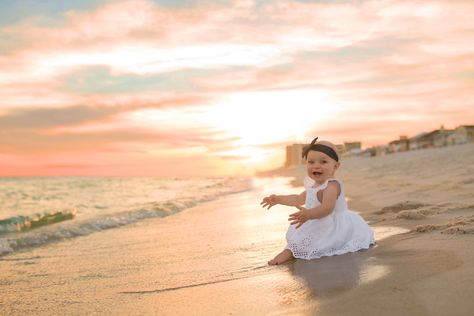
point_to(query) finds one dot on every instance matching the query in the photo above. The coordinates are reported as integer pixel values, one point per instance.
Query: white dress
(340, 232)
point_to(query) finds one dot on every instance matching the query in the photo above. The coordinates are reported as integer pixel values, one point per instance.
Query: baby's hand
(299, 217)
(269, 201)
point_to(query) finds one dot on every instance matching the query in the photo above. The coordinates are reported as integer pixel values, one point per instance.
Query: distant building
(442, 136)
(456, 139)
(436, 138)
(380, 150)
(416, 142)
(402, 144)
(353, 147)
(294, 155)
(466, 133)
(424, 141)
(340, 149)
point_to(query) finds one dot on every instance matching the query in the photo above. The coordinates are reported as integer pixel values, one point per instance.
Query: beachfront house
(437, 138)
(465, 133)
(380, 150)
(294, 155)
(420, 141)
(340, 149)
(456, 138)
(442, 137)
(353, 148)
(398, 145)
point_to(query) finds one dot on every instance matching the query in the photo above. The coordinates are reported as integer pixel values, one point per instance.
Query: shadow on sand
(329, 276)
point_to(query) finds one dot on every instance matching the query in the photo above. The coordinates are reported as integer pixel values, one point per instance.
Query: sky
(219, 88)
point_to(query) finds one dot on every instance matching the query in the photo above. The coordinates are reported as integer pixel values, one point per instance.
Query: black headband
(321, 148)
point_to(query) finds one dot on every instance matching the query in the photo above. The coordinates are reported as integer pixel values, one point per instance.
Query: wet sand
(211, 259)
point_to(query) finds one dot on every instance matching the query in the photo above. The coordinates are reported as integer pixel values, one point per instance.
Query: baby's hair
(307, 148)
(321, 148)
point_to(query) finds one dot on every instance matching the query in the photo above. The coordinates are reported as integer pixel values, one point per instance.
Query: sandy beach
(211, 259)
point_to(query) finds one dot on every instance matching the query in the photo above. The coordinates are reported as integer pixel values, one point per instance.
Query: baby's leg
(282, 257)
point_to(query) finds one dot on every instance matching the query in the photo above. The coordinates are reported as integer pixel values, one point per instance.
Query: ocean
(38, 210)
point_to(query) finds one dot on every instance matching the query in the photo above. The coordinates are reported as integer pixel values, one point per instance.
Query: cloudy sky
(210, 88)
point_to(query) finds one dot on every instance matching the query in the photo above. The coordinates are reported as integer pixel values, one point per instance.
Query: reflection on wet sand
(330, 275)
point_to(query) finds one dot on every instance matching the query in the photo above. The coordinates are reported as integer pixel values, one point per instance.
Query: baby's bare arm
(290, 200)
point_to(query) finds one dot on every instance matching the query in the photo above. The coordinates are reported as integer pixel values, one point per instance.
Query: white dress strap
(325, 184)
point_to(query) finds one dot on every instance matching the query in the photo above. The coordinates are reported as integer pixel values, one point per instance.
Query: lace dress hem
(352, 246)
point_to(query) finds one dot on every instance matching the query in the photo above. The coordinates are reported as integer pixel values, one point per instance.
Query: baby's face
(320, 166)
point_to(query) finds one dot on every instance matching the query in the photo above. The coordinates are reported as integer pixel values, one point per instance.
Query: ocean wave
(16, 233)
(22, 223)
(87, 227)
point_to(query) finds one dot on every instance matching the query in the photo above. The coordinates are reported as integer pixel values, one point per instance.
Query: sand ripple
(463, 225)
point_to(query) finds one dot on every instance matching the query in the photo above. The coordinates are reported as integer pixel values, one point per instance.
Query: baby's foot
(273, 262)
(282, 257)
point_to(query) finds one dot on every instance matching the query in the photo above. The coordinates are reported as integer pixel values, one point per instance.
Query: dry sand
(211, 259)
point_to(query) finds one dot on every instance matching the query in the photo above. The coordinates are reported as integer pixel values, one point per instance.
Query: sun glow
(256, 120)
(249, 155)
(252, 124)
